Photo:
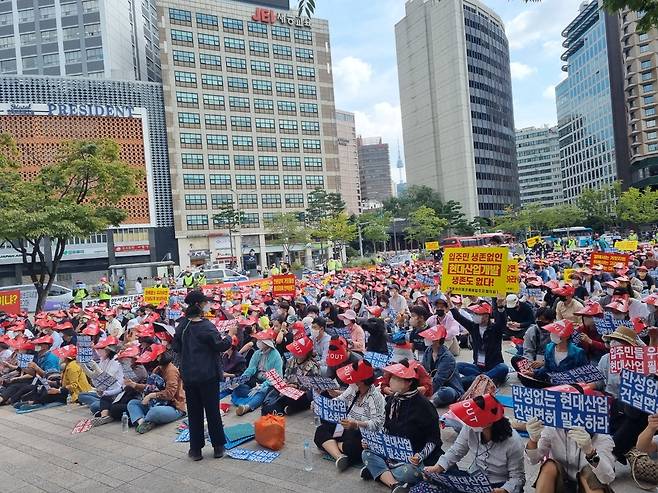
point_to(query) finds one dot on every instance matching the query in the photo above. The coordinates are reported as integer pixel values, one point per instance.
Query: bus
(475, 240)
(582, 235)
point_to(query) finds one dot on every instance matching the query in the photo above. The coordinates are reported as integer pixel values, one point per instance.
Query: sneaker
(218, 452)
(240, 410)
(365, 474)
(286, 410)
(145, 427)
(195, 455)
(101, 420)
(400, 488)
(342, 463)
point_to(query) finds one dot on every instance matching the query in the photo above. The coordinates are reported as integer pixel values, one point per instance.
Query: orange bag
(271, 431)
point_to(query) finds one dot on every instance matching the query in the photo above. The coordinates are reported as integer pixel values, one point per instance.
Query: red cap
(337, 351)
(434, 333)
(563, 328)
(566, 290)
(46, 323)
(70, 352)
(129, 352)
(91, 330)
(23, 345)
(652, 299)
(474, 416)
(574, 388)
(356, 372)
(263, 335)
(43, 340)
(481, 309)
(375, 311)
(638, 324)
(151, 355)
(348, 315)
(591, 309)
(301, 347)
(620, 305)
(401, 371)
(63, 325)
(145, 331)
(108, 341)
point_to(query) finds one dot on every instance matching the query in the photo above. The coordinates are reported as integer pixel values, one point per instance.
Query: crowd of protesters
(165, 362)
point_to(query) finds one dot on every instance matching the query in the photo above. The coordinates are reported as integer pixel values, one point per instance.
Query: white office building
(538, 158)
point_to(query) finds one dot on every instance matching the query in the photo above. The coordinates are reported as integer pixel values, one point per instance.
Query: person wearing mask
(108, 365)
(572, 460)
(188, 280)
(357, 335)
(112, 326)
(80, 293)
(104, 290)
(264, 359)
(320, 340)
(441, 365)
(329, 313)
(365, 406)
(233, 362)
(580, 292)
(591, 285)
(396, 302)
(200, 346)
(648, 282)
(567, 306)
(487, 340)
(418, 316)
(339, 355)
(139, 288)
(590, 339)
(163, 399)
(488, 433)
(201, 279)
(74, 379)
(408, 415)
(535, 340)
(519, 316)
(442, 316)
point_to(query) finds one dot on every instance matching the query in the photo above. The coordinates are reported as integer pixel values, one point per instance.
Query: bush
(361, 262)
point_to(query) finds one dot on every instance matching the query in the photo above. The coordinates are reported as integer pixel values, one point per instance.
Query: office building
(456, 101)
(251, 120)
(105, 39)
(374, 170)
(349, 184)
(57, 109)
(590, 105)
(538, 158)
(640, 84)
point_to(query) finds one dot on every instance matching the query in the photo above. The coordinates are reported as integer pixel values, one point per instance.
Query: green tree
(637, 207)
(76, 196)
(322, 205)
(424, 224)
(336, 230)
(598, 206)
(649, 7)
(288, 229)
(230, 219)
(375, 226)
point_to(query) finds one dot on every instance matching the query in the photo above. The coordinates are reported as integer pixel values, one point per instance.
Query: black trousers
(351, 440)
(15, 391)
(204, 397)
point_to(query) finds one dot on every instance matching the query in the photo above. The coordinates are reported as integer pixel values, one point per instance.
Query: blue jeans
(255, 400)
(444, 396)
(404, 473)
(90, 399)
(158, 415)
(469, 371)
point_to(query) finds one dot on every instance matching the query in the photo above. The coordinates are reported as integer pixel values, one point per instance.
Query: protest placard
(524, 364)
(607, 324)
(567, 273)
(626, 245)
(479, 271)
(640, 359)
(81, 426)
(85, 350)
(280, 384)
(24, 359)
(103, 381)
(582, 374)
(536, 293)
(426, 487)
(562, 409)
(639, 391)
(155, 296)
(388, 446)
(232, 383)
(432, 246)
(343, 332)
(426, 280)
(283, 285)
(512, 277)
(329, 409)
(532, 241)
(607, 260)
(462, 481)
(377, 360)
(10, 301)
(135, 301)
(263, 456)
(128, 371)
(317, 383)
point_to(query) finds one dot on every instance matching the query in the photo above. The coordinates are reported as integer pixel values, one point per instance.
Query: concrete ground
(38, 453)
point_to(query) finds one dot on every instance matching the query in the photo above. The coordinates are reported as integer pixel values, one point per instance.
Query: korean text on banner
(638, 391)
(283, 285)
(478, 271)
(155, 296)
(512, 279)
(532, 241)
(10, 301)
(607, 260)
(331, 410)
(626, 245)
(432, 246)
(389, 446)
(639, 359)
(567, 274)
(85, 350)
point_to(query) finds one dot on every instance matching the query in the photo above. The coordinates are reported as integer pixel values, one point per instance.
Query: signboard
(85, 351)
(582, 374)
(377, 360)
(103, 382)
(10, 301)
(318, 383)
(462, 481)
(232, 383)
(432, 246)
(607, 260)
(562, 409)
(638, 359)
(567, 274)
(626, 245)
(283, 285)
(426, 280)
(24, 359)
(478, 271)
(639, 391)
(279, 384)
(130, 250)
(329, 409)
(155, 296)
(135, 301)
(608, 324)
(512, 278)
(388, 446)
(269, 16)
(532, 241)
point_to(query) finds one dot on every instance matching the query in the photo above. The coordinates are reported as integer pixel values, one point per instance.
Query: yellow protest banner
(626, 245)
(532, 241)
(431, 245)
(512, 279)
(155, 296)
(567, 274)
(475, 271)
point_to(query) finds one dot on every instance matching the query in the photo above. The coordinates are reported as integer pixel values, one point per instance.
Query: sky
(365, 67)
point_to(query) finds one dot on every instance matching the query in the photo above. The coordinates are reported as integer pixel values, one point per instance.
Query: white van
(59, 297)
(215, 275)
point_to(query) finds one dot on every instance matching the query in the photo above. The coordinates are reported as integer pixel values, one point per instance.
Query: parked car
(58, 298)
(216, 275)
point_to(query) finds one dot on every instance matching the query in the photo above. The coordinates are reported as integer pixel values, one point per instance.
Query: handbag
(643, 468)
(271, 431)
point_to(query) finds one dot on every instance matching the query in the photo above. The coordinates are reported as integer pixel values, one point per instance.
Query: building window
(650, 123)
(282, 52)
(48, 36)
(213, 102)
(29, 62)
(45, 13)
(260, 68)
(304, 37)
(197, 222)
(241, 123)
(8, 66)
(644, 48)
(222, 182)
(94, 54)
(196, 201)
(192, 161)
(6, 42)
(311, 145)
(291, 164)
(289, 145)
(232, 25)
(292, 181)
(211, 81)
(234, 45)
(220, 201)
(185, 79)
(307, 91)
(184, 58)
(215, 122)
(28, 39)
(652, 147)
(243, 142)
(651, 135)
(645, 64)
(650, 112)
(6, 19)
(304, 54)
(281, 33)
(306, 73)
(245, 181)
(266, 143)
(206, 60)
(313, 163)
(219, 161)
(217, 141)
(92, 30)
(238, 84)
(236, 64)
(265, 124)
(206, 20)
(647, 76)
(308, 109)
(189, 120)
(194, 181)
(244, 162)
(73, 56)
(70, 33)
(248, 201)
(315, 181)
(190, 141)
(269, 181)
(209, 41)
(271, 200)
(257, 29)
(257, 48)
(285, 88)
(177, 16)
(261, 86)
(294, 200)
(51, 60)
(238, 104)
(250, 220)
(89, 6)
(647, 87)
(648, 99)
(268, 162)
(28, 15)
(179, 37)
(288, 126)
(311, 128)
(287, 107)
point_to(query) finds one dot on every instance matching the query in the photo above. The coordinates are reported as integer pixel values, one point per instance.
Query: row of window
(237, 103)
(244, 123)
(48, 12)
(241, 84)
(222, 161)
(268, 200)
(68, 33)
(246, 142)
(249, 181)
(249, 220)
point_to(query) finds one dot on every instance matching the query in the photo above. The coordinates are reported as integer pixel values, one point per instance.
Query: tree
(598, 206)
(637, 207)
(424, 224)
(649, 7)
(76, 196)
(230, 219)
(288, 230)
(322, 205)
(375, 226)
(337, 230)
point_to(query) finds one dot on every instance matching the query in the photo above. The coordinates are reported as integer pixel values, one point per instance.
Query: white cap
(512, 300)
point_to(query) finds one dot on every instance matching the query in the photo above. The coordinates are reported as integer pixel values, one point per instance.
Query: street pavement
(38, 453)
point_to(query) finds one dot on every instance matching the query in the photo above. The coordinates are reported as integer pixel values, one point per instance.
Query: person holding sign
(74, 379)
(576, 460)
(365, 410)
(440, 363)
(567, 307)
(590, 339)
(408, 415)
(498, 449)
(108, 365)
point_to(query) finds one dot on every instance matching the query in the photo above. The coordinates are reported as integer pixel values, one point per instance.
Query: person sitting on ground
(321, 341)
(536, 339)
(233, 362)
(647, 441)
(365, 410)
(376, 329)
(567, 307)
(441, 365)
(108, 365)
(74, 379)
(487, 432)
(357, 336)
(519, 316)
(590, 339)
(339, 355)
(442, 316)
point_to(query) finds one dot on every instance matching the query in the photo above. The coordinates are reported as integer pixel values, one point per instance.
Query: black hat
(196, 298)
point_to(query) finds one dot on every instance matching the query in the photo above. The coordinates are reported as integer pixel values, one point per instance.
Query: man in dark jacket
(486, 339)
(519, 316)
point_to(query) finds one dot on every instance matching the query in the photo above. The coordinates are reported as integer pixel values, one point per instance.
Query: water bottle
(308, 458)
(69, 401)
(124, 423)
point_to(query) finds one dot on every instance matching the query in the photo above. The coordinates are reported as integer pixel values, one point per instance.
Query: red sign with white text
(283, 285)
(10, 301)
(607, 260)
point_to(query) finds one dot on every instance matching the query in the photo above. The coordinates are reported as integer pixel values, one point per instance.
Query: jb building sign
(270, 17)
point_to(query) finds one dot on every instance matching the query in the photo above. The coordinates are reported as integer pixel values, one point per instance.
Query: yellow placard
(431, 245)
(532, 241)
(512, 279)
(626, 245)
(475, 271)
(567, 274)
(155, 296)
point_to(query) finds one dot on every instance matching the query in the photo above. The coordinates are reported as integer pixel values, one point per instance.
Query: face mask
(11, 334)
(428, 342)
(383, 305)
(262, 346)
(37, 348)
(615, 343)
(477, 319)
(440, 313)
(563, 299)
(610, 291)
(315, 333)
(397, 384)
(556, 339)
